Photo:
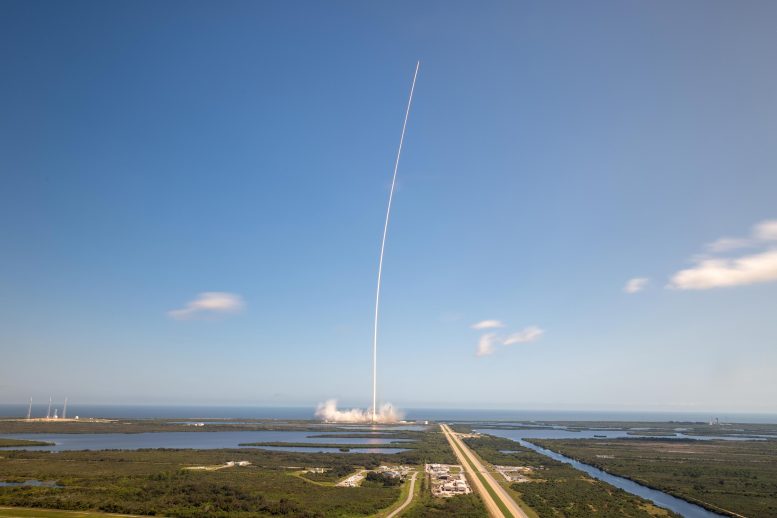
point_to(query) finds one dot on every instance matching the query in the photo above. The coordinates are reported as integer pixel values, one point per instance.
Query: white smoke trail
(386, 414)
(382, 248)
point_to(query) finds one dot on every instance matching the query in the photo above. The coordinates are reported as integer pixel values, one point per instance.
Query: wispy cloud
(487, 324)
(766, 230)
(727, 244)
(716, 272)
(635, 285)
(486, 344)
(527, 334)
(761, 233)
(207, 304)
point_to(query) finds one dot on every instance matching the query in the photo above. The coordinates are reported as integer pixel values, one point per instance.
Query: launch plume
(385, 414)
(382, 248)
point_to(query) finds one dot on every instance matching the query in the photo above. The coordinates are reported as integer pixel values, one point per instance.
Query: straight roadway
(476, 469)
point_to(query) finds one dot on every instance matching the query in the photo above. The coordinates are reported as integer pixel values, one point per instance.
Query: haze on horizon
(191, 199)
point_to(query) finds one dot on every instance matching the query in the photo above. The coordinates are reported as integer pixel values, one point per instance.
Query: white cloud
(726, 244)
(528, 334)
(487, 324)
(766, 230)
(208, 303)
(635, 285)
(486, 344)
(760, 234)
(488, 341)
(717, 273)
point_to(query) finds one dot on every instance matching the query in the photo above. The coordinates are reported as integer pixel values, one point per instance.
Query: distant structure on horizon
(48, 411)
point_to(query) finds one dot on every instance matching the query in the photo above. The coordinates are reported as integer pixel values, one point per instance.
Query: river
(661, 499)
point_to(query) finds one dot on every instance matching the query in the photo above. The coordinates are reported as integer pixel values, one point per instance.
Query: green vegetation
(382, 479)
(652, 433)
(148, 482)
(646, 428)
(428, 447)
(281, 444)
(152, 482)
(735, 476)
(557, 489)
(738, 476)
(461, 506)
(17, 512)
(332, 475)
(15, 443)
(400, 434)
(404, 491)
(403, 439)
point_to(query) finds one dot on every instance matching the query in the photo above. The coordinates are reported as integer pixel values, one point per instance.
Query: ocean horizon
(167, 411)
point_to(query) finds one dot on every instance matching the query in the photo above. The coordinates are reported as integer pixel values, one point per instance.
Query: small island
(15, 443)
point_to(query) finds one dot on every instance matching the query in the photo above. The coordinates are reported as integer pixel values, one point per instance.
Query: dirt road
(409, 499)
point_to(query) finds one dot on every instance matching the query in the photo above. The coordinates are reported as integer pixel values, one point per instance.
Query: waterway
(594, 433)
(661, 499)
(198, 441)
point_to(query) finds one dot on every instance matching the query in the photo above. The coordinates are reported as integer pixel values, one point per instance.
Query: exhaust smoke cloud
(385, 414)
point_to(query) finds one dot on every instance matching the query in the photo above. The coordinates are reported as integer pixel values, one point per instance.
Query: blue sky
(151, 152)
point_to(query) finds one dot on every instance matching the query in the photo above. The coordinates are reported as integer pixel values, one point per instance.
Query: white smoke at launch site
(385, 414)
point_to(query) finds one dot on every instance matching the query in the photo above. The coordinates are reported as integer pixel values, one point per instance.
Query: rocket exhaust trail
(383, 247)
(387, 413)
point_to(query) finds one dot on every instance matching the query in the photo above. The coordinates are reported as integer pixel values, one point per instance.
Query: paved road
(463, 453)
(409, 498)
